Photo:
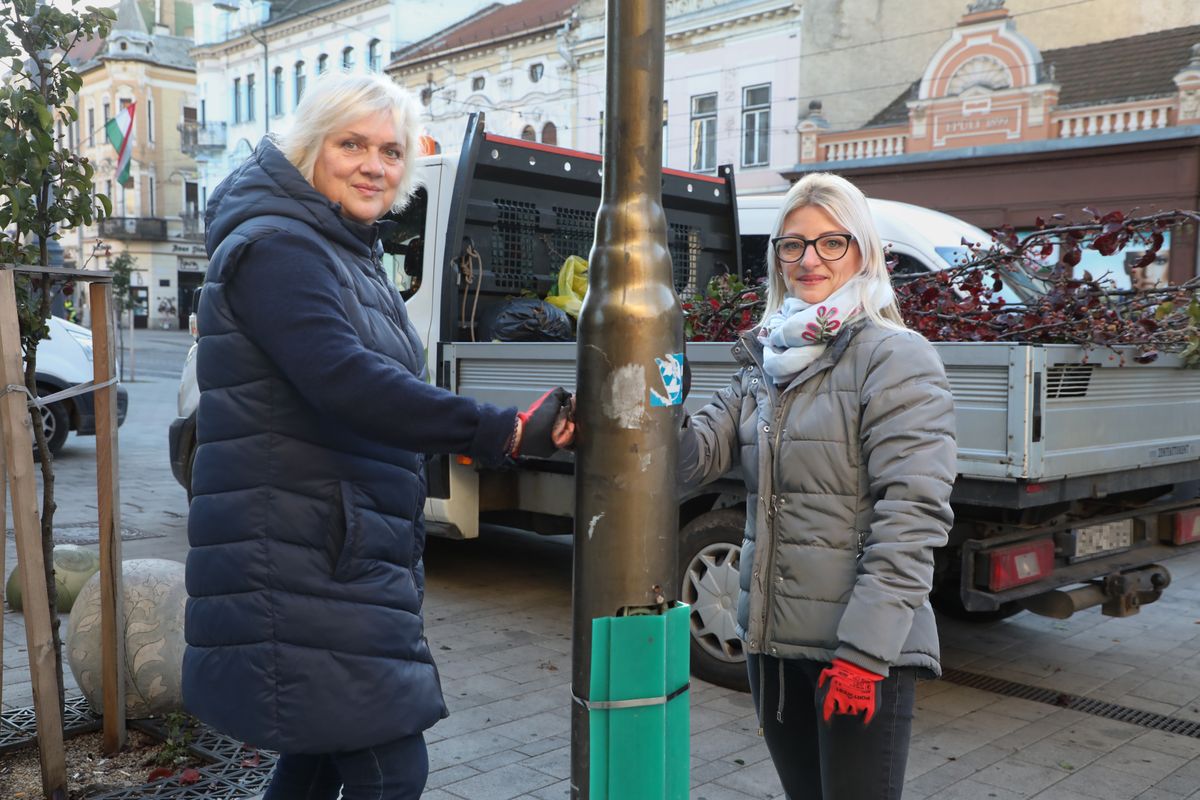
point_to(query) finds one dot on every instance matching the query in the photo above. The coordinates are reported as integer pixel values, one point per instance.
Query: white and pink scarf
(796, 335)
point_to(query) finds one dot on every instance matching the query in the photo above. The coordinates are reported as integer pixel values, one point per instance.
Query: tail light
(192, 328)
(1020, 564)
(1187, 527)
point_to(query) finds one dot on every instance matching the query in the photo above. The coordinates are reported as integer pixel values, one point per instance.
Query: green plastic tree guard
(638, 711)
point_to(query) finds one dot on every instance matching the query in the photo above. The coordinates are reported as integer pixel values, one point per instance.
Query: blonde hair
(336, 98)
(843, 201)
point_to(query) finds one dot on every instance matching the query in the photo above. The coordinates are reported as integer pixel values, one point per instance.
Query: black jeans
(393, 771)
(837, 760)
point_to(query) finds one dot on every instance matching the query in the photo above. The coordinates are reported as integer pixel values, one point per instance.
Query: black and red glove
(852, 690)
(537, 424)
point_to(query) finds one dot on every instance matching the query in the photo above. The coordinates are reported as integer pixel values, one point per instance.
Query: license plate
(1106, 538)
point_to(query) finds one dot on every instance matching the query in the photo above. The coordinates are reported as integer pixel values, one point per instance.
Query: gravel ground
(88, 773)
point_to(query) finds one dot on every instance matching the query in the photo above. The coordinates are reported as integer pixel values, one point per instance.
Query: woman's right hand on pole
(546, 426)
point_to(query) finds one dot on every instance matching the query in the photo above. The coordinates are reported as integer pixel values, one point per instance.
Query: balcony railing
(201, 138)
(865, 147)
(1097, 122)
(144, 228)
(193, 226)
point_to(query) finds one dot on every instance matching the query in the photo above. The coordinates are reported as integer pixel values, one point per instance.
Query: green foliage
(44, 187)
(174, 750)
(122, 268)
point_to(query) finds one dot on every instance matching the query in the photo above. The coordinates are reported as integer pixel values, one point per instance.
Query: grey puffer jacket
(848, 470)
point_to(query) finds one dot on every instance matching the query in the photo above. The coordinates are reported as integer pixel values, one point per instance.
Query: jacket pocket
(347, 530)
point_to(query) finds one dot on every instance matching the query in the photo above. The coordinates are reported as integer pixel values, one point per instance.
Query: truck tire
(710, 548)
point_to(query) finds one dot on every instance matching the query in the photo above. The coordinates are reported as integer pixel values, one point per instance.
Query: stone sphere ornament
(155, 597)
(73, 566)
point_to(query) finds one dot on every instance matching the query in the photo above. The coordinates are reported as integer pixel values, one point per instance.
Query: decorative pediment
(984, 72)
(985, 50)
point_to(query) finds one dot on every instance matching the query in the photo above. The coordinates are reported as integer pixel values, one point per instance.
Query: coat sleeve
(708, 440)
(289, 304)
(907, 439)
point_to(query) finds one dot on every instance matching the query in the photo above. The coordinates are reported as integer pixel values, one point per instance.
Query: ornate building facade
(512, 62)
(998, 131)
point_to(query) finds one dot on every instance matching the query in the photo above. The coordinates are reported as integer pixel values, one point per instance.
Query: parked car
(181, 436)
(65, 360)
(920, 240)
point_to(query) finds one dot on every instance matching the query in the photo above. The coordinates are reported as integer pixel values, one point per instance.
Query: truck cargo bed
(1025, 412)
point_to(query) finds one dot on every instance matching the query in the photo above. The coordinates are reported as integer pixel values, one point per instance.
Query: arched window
(348, 58)
(528, 134)
(298, 81)
(536, 71)
(549, 133)
(322, 63)
(373, 57)
(277, 91)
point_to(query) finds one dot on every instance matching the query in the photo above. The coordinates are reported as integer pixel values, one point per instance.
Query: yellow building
(156, 216)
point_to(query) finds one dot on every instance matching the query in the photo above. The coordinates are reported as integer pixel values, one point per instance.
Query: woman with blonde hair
(305, 575)
(843, 424)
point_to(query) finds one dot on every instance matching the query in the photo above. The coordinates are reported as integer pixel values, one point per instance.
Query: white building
(254, 60)
(536, 69)
(731, 85)
(511, 62)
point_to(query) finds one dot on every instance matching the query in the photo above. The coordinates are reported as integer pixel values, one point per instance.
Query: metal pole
(631, 325)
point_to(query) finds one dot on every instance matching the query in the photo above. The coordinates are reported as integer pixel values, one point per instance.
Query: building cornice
(284, 28)
(468, 51)
(1184, 135)
(594, 48)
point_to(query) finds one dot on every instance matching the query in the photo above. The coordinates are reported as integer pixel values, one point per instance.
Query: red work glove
(538, 424)
(851, 690)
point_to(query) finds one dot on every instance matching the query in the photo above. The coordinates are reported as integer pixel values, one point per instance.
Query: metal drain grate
(1075, 702)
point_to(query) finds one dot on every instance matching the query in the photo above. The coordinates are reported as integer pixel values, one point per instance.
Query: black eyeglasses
(829, 246)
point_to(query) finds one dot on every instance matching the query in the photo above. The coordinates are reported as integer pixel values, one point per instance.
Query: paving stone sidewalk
(498, 618)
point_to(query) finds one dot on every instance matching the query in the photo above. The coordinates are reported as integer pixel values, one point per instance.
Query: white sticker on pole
(670, 369)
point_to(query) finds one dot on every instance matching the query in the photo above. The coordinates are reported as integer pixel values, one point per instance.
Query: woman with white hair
(843, 424)
(305, 575)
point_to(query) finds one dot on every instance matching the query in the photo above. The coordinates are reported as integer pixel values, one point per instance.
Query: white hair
(843, 201)
(336, 98)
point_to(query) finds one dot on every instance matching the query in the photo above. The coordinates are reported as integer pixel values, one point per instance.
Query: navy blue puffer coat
(305, 575)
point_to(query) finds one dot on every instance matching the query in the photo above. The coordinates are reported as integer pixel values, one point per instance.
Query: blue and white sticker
(671, 371)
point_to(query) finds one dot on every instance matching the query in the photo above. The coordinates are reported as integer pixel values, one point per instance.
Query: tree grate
(1075, 702)
(18, 727)
(236, 771)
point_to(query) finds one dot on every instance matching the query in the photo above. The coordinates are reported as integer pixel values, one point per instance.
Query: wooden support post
(3, 548)
(18, 441)
(112, 614)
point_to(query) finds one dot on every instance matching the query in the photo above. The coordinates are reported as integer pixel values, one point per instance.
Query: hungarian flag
(120, 135)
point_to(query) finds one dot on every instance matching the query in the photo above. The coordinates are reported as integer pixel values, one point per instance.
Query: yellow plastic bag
(572, 286)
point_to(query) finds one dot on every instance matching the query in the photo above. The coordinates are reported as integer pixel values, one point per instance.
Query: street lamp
(253, 33)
